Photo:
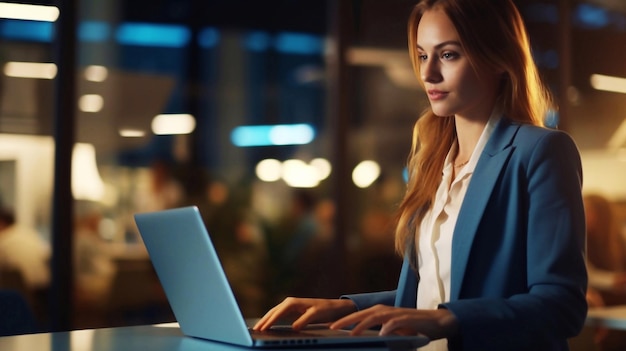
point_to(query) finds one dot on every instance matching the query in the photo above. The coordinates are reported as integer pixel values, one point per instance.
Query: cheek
(474, 86)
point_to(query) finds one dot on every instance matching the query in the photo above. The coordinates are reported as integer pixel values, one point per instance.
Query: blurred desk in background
(612, 317)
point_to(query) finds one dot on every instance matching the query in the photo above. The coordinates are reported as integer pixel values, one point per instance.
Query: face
(453, 86)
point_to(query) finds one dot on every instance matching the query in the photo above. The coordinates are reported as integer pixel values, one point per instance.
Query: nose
(429, 70)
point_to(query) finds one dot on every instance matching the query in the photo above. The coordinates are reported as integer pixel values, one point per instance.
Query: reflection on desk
(613, 317)
(162, 337)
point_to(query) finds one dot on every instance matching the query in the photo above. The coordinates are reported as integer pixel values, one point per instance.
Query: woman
(492, 224)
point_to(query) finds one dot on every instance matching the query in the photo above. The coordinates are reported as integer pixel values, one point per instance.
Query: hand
(306, 311)
(435, 324)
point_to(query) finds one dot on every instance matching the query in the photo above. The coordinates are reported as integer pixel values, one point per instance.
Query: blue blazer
(518, 276)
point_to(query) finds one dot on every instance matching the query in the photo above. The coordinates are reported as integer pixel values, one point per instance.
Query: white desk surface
(162, 337)
(613, 317)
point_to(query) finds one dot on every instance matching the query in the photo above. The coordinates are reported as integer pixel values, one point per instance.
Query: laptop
(202, 300)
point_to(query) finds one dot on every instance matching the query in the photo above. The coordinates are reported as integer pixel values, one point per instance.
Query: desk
(613, 317)
(163, 337)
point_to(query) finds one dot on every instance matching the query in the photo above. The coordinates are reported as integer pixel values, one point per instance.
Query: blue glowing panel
(592, 17)
(27, 30)
(94, 31)
(208, 37)
(266, 135)
(298, 43)
(151, 34)
(257, 41)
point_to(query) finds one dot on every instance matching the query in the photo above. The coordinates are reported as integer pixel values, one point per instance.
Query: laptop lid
(192, 276)
(200, 296)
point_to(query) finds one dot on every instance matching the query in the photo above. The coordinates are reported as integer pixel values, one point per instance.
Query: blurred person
(298, 245)
(94, 268)
(492, 223)
(238, 234)
(164, 190)
(24, 250)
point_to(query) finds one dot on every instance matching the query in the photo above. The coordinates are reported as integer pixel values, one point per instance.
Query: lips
(435, 95)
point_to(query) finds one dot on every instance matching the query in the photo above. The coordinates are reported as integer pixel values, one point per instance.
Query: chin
(442, 113)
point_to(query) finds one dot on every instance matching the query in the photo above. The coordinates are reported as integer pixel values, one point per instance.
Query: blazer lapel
(489, 166)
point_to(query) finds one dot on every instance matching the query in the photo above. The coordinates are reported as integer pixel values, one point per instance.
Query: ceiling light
(91, 103)
(96, 73)
(173, 124)
(132, 133)
(35, 70)
(608, 83)
(29, 12)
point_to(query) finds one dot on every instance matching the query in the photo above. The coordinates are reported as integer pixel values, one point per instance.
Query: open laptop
(202, 300)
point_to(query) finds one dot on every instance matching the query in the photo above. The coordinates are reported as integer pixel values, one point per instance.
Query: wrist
(448, 323)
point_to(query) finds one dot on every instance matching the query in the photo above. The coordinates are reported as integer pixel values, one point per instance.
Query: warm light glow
(95, 73)
(29, 12)
(86, 181)
(132, 133)
(30, 70)
(298, 174)
(365, 174)
(396, 64)
(621, 154)
(608, 83)
(269, 170)
(91, 103)
(618, 139)
(322, 166)
(173, 124)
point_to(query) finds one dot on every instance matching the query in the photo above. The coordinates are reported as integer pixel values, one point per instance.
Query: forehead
(434, 28)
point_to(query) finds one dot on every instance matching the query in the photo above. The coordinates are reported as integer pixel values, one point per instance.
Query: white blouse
(434, 241)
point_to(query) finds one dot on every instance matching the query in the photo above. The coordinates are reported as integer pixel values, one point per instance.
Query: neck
(467, 133)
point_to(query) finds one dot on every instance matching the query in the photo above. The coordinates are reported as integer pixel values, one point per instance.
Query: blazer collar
(488, 168)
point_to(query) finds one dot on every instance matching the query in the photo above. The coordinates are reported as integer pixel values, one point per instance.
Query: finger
(262, 323)
(398, 325)
(368, 322)
(350, 319)
(304, 319)
(272, 316)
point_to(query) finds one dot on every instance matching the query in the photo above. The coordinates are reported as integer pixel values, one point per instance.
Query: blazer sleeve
(366, 300)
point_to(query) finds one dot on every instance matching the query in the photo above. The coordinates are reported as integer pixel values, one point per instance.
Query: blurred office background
(287, 122)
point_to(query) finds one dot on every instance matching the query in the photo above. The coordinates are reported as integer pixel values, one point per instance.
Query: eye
(422, 57)
(449, 55)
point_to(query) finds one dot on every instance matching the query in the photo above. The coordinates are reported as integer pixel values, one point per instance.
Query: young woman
(492, 224)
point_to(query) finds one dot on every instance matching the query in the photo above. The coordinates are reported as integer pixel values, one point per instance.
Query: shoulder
(531, 137)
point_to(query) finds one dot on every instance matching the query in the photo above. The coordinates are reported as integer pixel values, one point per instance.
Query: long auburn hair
(493, 35)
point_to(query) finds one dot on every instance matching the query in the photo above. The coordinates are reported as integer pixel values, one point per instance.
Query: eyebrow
(442, 44)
